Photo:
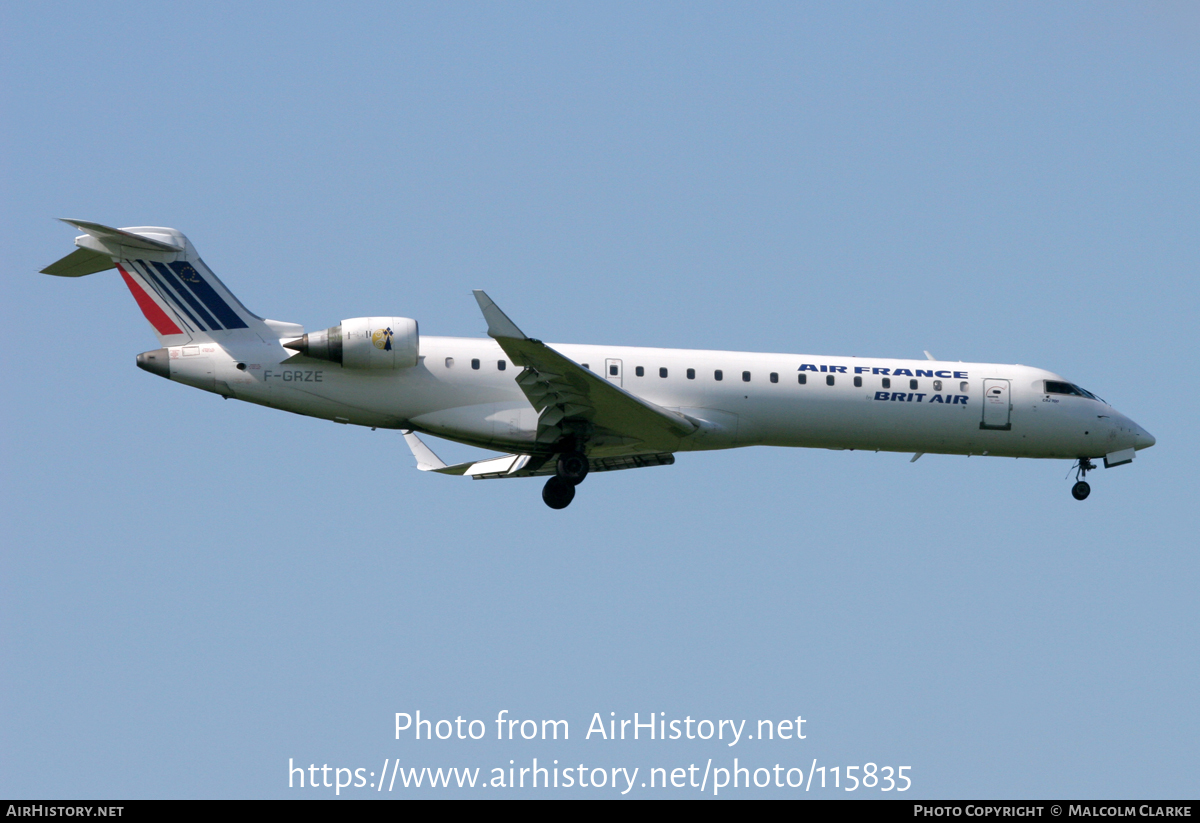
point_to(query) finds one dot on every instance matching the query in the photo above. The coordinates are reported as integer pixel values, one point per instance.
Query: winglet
(929, 356)
(498, 323)
(426, 459)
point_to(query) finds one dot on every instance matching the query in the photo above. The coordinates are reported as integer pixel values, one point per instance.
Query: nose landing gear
(570, 470)
(1081, 489)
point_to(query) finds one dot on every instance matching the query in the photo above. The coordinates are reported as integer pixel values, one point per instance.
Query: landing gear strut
(569, 471)
(1081, 489)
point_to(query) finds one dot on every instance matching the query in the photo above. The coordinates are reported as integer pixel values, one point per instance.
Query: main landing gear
(1081, 489)
(569, 471)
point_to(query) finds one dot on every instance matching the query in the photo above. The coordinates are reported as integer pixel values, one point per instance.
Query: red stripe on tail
(157, 317)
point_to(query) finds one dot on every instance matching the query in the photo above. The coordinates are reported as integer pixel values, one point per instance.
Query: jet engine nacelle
(364, 343)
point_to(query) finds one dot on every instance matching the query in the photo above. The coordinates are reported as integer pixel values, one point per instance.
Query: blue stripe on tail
(170, 277)
(143, 268)
(212, 301)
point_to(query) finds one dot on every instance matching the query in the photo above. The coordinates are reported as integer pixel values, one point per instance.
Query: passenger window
(887, 382)
(912, 384)
(639, 371)
(937, 385)
(858, 382)
(964, 386)
(774, 377)
(662, 372)
(829, 380)
(501, 365)
(718, 375)
(475, 364)
(691, 373)
(803, 378)
(745, 377)
(449, 362)
(612, 370)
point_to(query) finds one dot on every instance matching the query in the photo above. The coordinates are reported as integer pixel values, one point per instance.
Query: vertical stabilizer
(178, 294)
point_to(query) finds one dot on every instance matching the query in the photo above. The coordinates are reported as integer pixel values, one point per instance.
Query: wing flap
(523, 465)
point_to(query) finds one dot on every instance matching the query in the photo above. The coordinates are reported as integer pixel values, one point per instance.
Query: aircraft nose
(1143, 439)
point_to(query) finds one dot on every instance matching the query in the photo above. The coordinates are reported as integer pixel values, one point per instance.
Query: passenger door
(996, 405)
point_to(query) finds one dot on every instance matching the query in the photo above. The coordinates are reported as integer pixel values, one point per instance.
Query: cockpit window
(1057, 387)
(1060, 387)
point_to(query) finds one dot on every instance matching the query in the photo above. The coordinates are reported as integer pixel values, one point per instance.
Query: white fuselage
(951, 408)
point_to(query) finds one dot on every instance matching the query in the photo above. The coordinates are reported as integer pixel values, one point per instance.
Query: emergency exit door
(612, 371)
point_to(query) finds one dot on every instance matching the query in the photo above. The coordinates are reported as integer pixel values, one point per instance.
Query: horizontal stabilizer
(80, 262)
(120, 236)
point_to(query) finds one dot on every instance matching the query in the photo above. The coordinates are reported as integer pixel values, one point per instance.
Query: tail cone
(155, 362)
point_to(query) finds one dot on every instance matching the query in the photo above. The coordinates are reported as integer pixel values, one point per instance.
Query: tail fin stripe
(157, 317)
(204, 290)
(169, 276)
(164, 293)
(233, 299)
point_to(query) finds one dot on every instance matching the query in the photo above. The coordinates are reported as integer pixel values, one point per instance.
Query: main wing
(572, 401)
(523, 465)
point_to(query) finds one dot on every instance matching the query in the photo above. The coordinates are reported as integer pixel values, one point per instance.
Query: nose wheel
(1081, 489)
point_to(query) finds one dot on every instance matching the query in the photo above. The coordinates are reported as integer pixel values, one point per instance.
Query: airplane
(564, 411)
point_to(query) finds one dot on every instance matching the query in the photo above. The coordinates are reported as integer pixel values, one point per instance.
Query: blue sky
(194, 591)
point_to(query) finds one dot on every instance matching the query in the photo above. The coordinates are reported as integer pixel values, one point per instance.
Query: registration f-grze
(562, 411)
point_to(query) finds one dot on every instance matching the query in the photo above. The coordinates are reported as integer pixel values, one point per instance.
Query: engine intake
(364, 343)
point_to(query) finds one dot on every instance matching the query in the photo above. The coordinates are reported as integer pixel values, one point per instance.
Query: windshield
(1062, 387)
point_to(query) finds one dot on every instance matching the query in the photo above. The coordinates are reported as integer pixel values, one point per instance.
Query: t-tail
(180, 296)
